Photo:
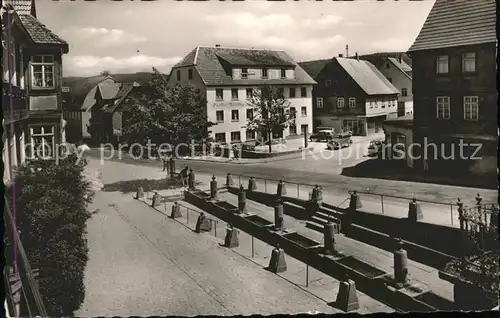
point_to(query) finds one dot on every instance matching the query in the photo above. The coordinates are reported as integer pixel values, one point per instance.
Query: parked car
(323, 134)
(375, 147)
(339, 141)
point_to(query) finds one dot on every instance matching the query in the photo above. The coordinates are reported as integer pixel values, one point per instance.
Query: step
(327, 210)
(319, 220)
(314, 226)
(326, 216)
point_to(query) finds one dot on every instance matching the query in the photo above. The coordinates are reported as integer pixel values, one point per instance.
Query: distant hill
(140, 77)
(378, 59)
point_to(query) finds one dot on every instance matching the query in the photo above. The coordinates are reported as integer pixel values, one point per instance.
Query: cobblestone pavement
(141, 263)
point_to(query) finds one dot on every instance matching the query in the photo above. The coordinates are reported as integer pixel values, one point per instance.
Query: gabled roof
(125, 89)
(313, 68)
(38, 32)
(367, 76)
(214, 65)
(457, 23)
(402, 66)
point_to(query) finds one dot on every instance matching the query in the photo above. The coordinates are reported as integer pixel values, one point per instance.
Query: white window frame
(471, 102)
(44, 65)
(244, 73)
(302, 112)
(303, 89)
(43, 134)
(217, 97)
(319, 102)
(231, 136)
(290, 129)
(282, 71)
(404, 92)
(294, 90)
(235, 111)
(219, 134)
(217, 119)
(237, 94)
(251, 93)
(249, 131)
(443, 110)
(466, 59)
(352, 102)
(440, 62)
(265, 73)
(340, 102)
(249, 109)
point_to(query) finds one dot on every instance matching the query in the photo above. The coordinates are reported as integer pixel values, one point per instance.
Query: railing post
(253, 253)
(265, 185)
(298, 191)
(187, 215)
(451, 213)
(215, 228)
(307, 275)
(382, 201)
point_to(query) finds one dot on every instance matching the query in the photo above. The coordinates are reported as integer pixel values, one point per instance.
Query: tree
(51, 202)
(105, 73)
(273, 112)
(162, 113)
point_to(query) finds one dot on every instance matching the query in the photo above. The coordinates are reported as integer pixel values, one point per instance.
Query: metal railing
(31, 303)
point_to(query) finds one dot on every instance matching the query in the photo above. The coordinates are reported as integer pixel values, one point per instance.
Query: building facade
(399, 74)
(32, 76)
(351, 95)
(454, 82)
(228, 77)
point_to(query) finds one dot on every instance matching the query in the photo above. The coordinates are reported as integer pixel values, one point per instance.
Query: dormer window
(244, 73)
(42, 71)
(264, 73)
(283, 73)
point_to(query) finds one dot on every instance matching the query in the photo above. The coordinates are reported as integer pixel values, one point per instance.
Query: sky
(134, 36)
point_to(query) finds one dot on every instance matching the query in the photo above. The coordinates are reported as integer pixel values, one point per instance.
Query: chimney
(217, 45)
(346, 50)
(357, 56)
(400, 57)
(340, 55)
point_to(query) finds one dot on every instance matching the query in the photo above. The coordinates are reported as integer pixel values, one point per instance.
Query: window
(293, 129)
(352, 102)
(249, 93)
(235, 115)
(220, 137)
(219, 94)
(178, 75)
(292, 92)
(42, 142)
(244, 73)
(234, 93)
(283, 73)
(471, 108)
(443, 107)
(42, 71)
(340, 102)
(220, 116)
(250, 134)
(293, 112)
(469, 62)
(328, 84)
(319, 102)
(190, 74)
(303, 92)
(404, 92)
(303, 111)
(249, 113)
(281, 92)
(235, 136)
(264, 73)
(442, 64)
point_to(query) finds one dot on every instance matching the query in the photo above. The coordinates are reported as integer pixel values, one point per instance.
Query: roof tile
(38, 32)
(457, 23)
(22, 7)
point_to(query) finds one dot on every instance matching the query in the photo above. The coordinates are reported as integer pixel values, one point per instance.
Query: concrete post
(172, 167)
(278, 216)
(414, 211)
(156, 200)
(229, 180)
(252, 185)
(400, 265)
(203, 224)
(281, 189)
(277, 264)
(231, 240)
(213, 189)
(140, 193)
(242, 200)
(329, 238)
(347, 297)
(176, 211)
(355, 202)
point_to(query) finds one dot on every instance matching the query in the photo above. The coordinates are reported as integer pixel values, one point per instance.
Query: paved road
(329, 179)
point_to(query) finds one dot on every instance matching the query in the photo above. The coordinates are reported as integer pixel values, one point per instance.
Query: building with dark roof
(351, 95)
(454, 83)
(31, 101)
(228, 76)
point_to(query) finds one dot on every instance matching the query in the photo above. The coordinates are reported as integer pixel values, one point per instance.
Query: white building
(228, 75)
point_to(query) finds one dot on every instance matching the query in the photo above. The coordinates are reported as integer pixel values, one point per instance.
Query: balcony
(22, 297)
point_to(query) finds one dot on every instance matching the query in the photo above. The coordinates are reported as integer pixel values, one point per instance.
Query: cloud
(324, 22)
(102, 37)
(88, 65)
(392, 44)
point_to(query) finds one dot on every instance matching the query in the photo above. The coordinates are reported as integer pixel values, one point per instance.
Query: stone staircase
(321, 217)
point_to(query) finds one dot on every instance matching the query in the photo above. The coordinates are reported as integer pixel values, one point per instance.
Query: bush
(52, 212)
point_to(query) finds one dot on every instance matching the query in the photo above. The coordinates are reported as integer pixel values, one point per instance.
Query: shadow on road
(397, 170)
(147, 184)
